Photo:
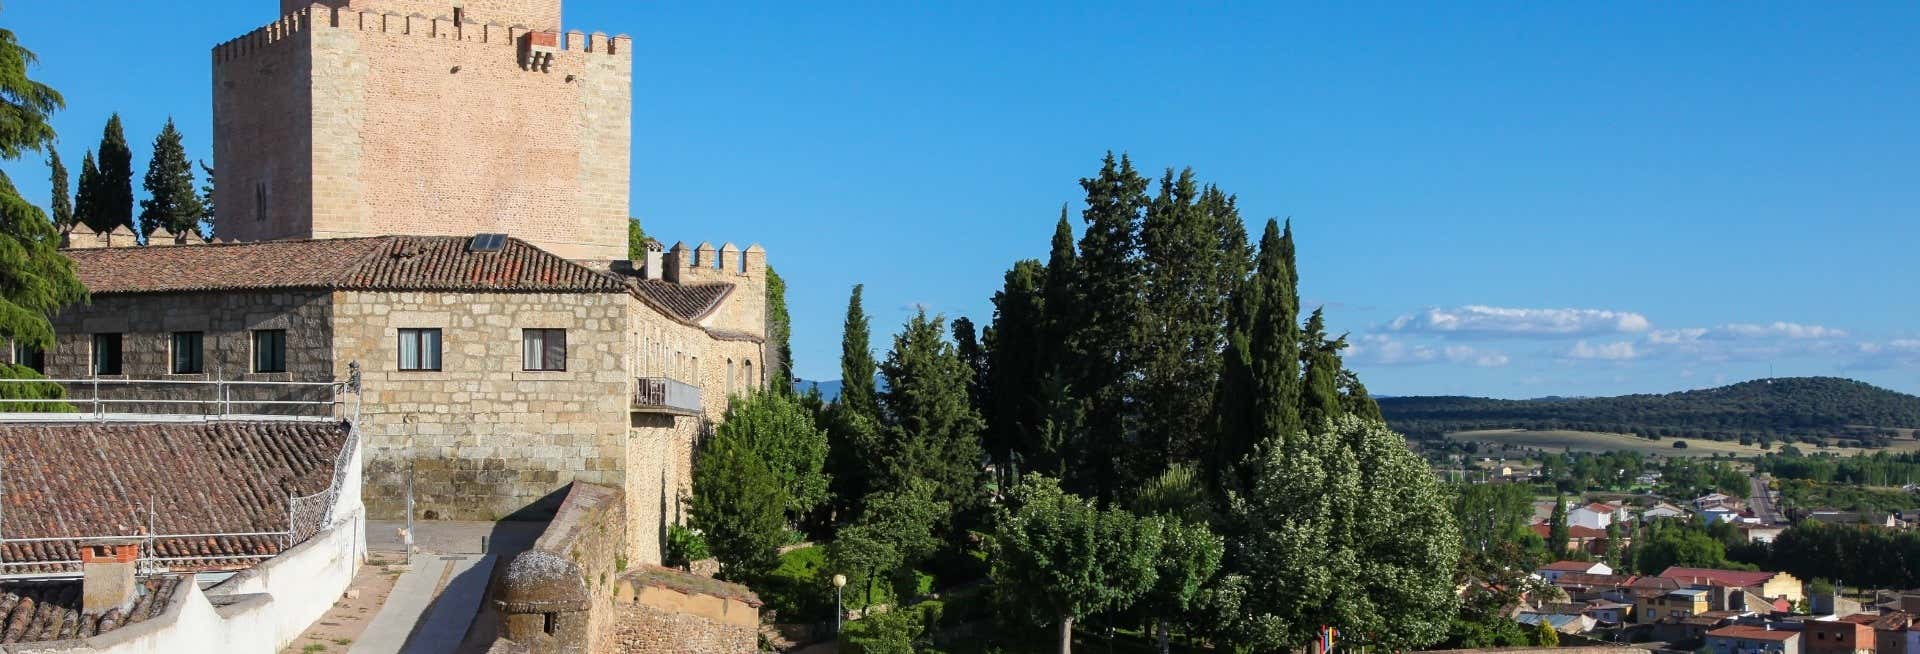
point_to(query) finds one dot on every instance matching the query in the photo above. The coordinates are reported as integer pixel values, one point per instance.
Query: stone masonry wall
(668, 611)
(537, 14)
(146, 323)
(566, 579)
(418, 125)
(486, 439)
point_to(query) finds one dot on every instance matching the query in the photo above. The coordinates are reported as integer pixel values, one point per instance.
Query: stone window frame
(419, 333)
(96, 361)
(195, 350)
(281, 359)
(544, 336)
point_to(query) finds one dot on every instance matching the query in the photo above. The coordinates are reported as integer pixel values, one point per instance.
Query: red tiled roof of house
(1570, 566)
(1861, 618)
(400, 263)
(1753, 633)
(94, 480)
(1597, 507)
(50, 610)
(1595, 581)
(689, 302)
(1710, 576)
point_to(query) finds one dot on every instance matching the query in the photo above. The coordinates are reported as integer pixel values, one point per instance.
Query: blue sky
(1512, 199)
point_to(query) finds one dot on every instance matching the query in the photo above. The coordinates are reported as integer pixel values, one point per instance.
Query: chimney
(106, 573)
(655, 259)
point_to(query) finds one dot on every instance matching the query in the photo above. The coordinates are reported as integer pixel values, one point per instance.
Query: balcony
(662, 395)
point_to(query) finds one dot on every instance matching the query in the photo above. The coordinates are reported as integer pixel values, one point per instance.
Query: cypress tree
(966, 343)
(857, 391)
(35, 279)
(1276, 337)
(1354, 399)
(1320, 402)
(1557, 532)
(1105, 336)
(932, 430)
(1061, 293)
(1016, 368)
(113, 196)
(62, 205)
(779, 333)
(206, 203)
(86, 208)
(1182, 333)
(172, 203)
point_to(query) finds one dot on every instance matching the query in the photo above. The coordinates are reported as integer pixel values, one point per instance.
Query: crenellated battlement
(321, 16)
(706, 263)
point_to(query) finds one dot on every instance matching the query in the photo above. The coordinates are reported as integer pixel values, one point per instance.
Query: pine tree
(1105, 337)
(857, 391)
(113, 194)
(35, 279)
(1016, 368)
(1184, 312)
(1320, 401)
(1276, 337)
(932, 432)
(62, 206)
(86, 205)
(207, 217)
(172, 203)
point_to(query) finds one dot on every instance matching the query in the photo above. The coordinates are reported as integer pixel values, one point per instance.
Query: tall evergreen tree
(1016, 364)
(1184, 311)
(86, 205)
(62, 206)
(1320, 401)
(857, 392)
(1557, 530)
(966, 343)
(35, 279)
(1276, 336)
(1105, 336)
(779, 333)
(1061, 293)
(172, 203)
(113, 194)
(207, 216)
(1354, 399)
(932, 431)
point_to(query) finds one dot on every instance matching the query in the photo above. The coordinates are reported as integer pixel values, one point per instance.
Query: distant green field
(1587, 441)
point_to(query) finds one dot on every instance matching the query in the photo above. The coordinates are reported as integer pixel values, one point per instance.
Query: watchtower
(434, 117)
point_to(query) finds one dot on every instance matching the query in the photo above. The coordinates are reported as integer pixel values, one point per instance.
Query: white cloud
(1616, 351)
(1478, 320)
(1383, 350)
(1896, 353)
(1746, 331)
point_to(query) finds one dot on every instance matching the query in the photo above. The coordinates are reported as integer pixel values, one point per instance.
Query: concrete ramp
(431, 606)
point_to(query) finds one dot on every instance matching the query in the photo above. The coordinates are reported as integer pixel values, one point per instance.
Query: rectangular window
(187, 353)
(420, 349)
(106, 354)
(269, 350)
(543, 349)
(30, 357)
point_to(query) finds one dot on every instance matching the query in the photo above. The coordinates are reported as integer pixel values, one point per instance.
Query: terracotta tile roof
(688, 302)
(1594, 581)
(1744, 632)
(1712, 577)
(1575, 532)
(1570, 566)
(401, 263)
(98, 480)
(41, 611)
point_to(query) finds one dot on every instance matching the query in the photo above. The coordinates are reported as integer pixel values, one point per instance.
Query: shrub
(684, 546)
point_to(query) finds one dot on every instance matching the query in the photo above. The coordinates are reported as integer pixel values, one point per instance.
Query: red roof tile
(413, 263)
(1570, 566)
(42, 611)
(73, 480)
(1709, 576)
(1753, 633)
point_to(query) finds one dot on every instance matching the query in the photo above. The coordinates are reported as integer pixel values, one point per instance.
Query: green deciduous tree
(738, 504)
(1189, 557)
(1557, 530)
(1325, 538)
(895, 531)
(35, 279)
(172, 203)
(1064, 558)
(932, 432)
(636, 240)
(781, 433)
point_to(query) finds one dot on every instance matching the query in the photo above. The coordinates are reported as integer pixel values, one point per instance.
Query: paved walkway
(434, 603)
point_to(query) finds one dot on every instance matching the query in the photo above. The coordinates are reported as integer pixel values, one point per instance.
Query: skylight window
(487, 243)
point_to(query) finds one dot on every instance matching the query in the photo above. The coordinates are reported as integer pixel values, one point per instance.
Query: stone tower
(439, 117)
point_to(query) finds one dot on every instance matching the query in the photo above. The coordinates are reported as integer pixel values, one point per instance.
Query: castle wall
(486, 439)
(542, 15)
(418, 125)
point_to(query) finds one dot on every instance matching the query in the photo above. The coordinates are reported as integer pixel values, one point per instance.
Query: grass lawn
(1588, 441)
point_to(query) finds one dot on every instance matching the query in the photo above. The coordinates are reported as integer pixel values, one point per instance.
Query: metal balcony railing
(146, 400)
(663, 395)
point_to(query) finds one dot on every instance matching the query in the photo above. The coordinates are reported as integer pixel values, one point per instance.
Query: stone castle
(432, 194)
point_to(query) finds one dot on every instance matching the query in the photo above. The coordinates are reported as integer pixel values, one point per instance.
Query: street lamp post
(839, 581)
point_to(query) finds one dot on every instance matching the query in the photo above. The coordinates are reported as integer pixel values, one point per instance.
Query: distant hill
(1764, 409)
